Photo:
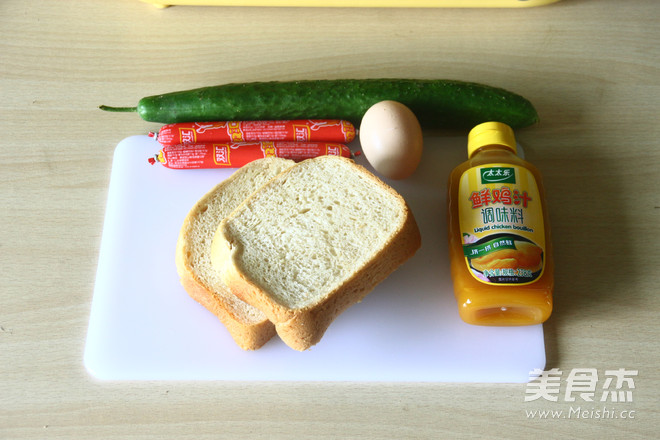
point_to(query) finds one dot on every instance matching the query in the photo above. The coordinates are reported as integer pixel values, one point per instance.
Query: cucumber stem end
(108, 108)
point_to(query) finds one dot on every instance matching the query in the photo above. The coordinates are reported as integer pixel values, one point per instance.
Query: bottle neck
(493, 150)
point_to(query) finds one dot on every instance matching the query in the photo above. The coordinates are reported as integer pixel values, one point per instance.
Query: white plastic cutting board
(143, 325)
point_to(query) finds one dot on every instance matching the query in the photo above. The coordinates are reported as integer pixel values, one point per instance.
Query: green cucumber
(436, 103)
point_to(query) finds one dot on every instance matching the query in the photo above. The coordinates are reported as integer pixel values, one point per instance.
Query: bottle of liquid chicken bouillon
(499, 234)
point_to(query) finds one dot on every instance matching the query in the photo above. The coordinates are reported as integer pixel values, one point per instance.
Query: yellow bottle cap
(490, 133)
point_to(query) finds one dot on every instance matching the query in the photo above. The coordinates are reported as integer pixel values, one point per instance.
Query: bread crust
(304, 327)
(247, 336)
(249, 333)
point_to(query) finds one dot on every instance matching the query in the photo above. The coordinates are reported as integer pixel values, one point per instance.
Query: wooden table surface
(592, 69)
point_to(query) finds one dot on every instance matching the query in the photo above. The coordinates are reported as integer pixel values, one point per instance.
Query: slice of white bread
(312, 242)
(248, 326)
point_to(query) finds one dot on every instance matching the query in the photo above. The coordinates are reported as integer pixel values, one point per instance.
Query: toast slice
(248, 326)
(312, 242)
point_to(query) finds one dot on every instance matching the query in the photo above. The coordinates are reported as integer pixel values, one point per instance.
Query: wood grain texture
(591, 68)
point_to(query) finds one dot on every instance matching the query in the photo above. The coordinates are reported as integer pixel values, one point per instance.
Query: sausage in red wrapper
(235, 155)
(308, 130)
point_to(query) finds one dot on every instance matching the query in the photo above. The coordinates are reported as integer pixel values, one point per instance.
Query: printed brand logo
(301, 133)
(497, 175)
(234, 130)
(221, 154)
(348, 129)
(333, 149)
(187, 135)
(268, 148)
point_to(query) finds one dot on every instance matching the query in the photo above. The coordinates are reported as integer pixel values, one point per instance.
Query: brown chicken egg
(391, 139)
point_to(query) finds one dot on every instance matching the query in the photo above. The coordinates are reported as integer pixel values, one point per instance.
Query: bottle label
(501, 221)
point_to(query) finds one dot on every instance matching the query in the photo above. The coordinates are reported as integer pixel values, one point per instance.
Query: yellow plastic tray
(361, 3)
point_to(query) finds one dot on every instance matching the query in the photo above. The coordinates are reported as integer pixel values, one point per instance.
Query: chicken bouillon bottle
(499, 233)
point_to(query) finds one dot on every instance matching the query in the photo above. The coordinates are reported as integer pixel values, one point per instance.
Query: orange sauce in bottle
(499, 233)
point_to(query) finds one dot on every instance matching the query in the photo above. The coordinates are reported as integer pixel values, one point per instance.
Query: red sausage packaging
(307, 130)
(237, 154)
